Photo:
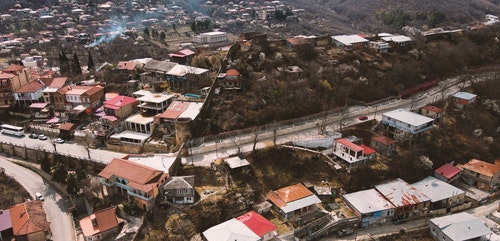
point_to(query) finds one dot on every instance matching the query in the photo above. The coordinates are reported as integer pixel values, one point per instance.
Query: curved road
(54, 205)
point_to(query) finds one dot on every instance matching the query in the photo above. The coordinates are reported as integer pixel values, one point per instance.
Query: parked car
(33, 136)
(59, 140)
(42, 137)
(39, 196)
(363, 117)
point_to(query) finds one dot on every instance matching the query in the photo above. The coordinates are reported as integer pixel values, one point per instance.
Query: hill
(349, 16)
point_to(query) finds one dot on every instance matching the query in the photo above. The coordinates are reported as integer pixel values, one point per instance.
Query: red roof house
(447, 173)
(258, 224)
(29, 221)
(120, 106)
(103, 224)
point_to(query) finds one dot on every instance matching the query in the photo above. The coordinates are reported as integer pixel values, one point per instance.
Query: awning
(53, 120)
(40, 105)
(77, 110)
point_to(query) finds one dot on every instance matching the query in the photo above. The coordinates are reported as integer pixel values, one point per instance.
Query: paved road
(68, 148)
(209, 151)
(55, 207)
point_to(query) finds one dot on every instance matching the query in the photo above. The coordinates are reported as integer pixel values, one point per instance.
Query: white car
(39, 196)
(42, 137)
(59, 140)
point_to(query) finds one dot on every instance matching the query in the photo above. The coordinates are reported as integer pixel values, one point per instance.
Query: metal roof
(235, 162)
(400, 193)
(229, 231)
(464, 95)
(301, 203)
(461, 226)
(368, 201)
(408, 117)
(349, 39)
(436, 189)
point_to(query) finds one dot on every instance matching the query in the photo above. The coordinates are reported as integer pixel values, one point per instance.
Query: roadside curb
(45, 176)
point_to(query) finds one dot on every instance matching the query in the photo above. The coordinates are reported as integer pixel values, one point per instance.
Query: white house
(29, 93)
(349, 42)
(458, 227)
(210, 37)
(352, 154)
(250, 226)
(370, 206)
(442, 194)
(405, 126)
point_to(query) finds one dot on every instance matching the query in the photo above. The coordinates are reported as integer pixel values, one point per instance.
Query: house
(442, 194)
(101, 225)
(461, 100)
(29, 222)
(137, 181)
(447, 173)
(397, 40)
(231, 80)
(351, 154)
(59, 98)
(155, 70)
(5, 225)
(408, 201)
(250, 226)
(481, 174)
(458, 227)
(120, 106)
(405, 126)
(23, 75)
(433, 112)
(53, 85)
(86, 96)
(6, 89)
(182, 77)
(179, 189)
(297, 42)
(29, 93)
(383, 145)
(293, 202)
(154, 103)
(371, 207)
(379, 46)
(67, 130)
(126, 69)
(40, 110)
(182, 56)
(210, 37)
(349, 42)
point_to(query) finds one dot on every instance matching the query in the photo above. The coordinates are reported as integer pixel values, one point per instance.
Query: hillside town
(124, 152)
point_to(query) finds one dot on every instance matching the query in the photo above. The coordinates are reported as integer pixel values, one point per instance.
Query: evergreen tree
(146, 32)
(163, 36)
(71, 185)
(45, 165)
(76, 69)
(64, 67)
(90, 64)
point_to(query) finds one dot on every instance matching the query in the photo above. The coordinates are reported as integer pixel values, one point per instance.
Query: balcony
(137, 195)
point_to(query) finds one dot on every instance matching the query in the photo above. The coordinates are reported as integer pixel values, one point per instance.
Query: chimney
(94, 220)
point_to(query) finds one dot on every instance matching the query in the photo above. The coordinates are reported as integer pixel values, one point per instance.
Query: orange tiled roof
(58, 82)
(288, 194)
(383, 139)
(433, 108)
(94, 90)
(30, 87)
(13, 68)
(232, 72)
(139, 177)
(126, 65)
(482, 167)
(28, 218)
(106, 220)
